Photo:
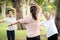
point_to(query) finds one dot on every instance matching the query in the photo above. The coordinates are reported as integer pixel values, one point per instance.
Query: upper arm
(23, 20)
(26, 20)
(52, 14)
(39, 14)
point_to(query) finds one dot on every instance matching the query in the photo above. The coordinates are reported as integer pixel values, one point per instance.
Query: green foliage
(45, 3)
(39, 2)
(1, 2)
(8, 3)
(57, 3)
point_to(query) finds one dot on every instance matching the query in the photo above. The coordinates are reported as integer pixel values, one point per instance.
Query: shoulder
(25, 20)
(43, 22)
(28, 17)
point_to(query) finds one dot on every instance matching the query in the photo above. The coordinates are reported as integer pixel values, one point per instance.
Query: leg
(8, 35)
(37, 38)
(53, 37)
(28, 38)
(13, 35)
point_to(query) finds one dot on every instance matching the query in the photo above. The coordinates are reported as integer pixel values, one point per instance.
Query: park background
(22, 10)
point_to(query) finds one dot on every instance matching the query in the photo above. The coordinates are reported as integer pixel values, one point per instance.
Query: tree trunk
(4, 9)
(28, 2)
(24, 8)
(18, 5)
(31, 1)
(57, 20)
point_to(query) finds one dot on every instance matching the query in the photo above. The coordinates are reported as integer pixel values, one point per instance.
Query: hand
(10, 25)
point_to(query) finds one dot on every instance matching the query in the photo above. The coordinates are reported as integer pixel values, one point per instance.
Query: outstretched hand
(9, 25)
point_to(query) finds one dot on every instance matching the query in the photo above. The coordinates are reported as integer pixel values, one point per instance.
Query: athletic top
(10, 21)
(50, 26)
(32, 26)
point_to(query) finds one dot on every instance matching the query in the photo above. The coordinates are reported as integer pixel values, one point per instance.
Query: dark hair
(8, 11)
(33, 11)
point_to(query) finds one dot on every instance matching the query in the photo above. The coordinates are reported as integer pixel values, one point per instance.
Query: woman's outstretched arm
(1, 21)
(14, 23)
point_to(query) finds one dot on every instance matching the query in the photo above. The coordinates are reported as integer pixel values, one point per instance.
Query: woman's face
(10, 14)
(47, 16)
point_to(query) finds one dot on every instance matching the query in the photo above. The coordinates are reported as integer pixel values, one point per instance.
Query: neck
(48, 18)
(10, 16)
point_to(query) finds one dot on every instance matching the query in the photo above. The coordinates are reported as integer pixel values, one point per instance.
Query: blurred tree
(27, 8)
(58, 15)
(17, 4)
(0, 9)
(44, 3)
(9, 3)
(39, 2)
(3, 7)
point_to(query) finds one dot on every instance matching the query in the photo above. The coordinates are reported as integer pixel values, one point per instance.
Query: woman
(31, 23)
(10, 29)
(49, 23)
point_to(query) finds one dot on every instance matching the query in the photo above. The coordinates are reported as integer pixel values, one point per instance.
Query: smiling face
(47, 15)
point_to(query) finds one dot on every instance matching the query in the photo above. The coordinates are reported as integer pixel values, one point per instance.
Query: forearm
(14, 23)
(1, 21)
(51, 12)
